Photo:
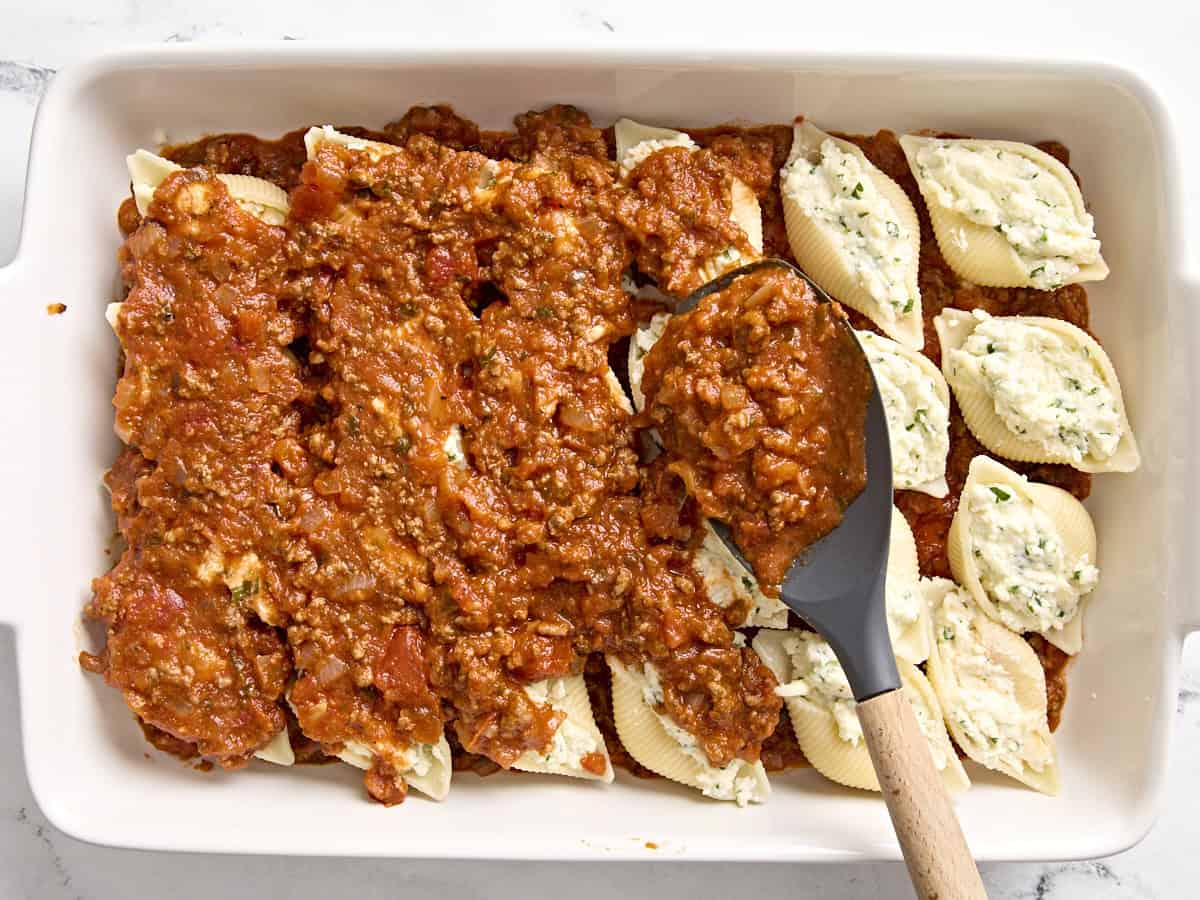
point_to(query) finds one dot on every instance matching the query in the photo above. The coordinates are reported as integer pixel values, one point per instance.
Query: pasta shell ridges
(578, 711)
(977, 252)
(871, 341)
(1017, 660)
(818, 255)
(954, 327)
(648, 742)
(1070, 518)
(839, 761)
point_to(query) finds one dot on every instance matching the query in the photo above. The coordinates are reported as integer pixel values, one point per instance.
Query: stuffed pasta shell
(824, 715)
(916, 401)
(1026, 553)
(636, 142)
(577, 749)
(991, 688)
(854, 230)
(1037, 390)
(1005, 214)
(660, 745)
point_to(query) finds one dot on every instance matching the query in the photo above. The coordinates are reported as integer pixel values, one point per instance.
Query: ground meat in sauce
(678, 209)
(285, 530)
(408, 586)
(760, 395)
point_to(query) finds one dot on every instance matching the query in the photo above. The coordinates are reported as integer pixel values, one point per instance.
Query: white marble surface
(36, 861)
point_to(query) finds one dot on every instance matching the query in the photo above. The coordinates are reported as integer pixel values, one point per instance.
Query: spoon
(837, 587)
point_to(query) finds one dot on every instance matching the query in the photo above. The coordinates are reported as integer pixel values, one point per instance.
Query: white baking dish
(96, 778)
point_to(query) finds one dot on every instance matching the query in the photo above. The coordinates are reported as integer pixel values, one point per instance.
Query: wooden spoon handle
(939, 861)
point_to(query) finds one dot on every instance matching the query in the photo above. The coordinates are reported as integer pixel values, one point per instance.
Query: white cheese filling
(1021, 561)
(983, 702)
(571, 742)
(416, 759)
(733, 782)
(1044, 389)
(1024, 201)
(838, 193)
(930, 728)
(452, 446)
(903, 602)
(918, 420)
(643, 150)
(817, 676)
(640, 343)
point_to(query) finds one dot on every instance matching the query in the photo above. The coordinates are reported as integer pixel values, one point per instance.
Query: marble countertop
(36, 39)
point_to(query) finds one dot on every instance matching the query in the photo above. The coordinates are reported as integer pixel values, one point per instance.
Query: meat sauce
(759, 394)
(377, 478)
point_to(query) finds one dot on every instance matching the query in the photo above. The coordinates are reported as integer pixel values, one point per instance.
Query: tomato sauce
(377, 478)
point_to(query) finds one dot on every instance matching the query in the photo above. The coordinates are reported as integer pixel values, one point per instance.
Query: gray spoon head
(837, 584)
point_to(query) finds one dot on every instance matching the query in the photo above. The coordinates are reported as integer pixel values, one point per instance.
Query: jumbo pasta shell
(646, 336)
(932, 723)
(840, 762)
(635, 142)
(816, 728)
(146, 172)
(903, 561)
(616, 391)
(727, 581)
(278, 750)
(1070, 518)
(643, 734)
(819, 254)
(955, 326)
(320, 135)
(434, 782)
(1078, 533)
(258, 197)
(977, 252)
(577, 734)
(875, 344)
(112, 313)
(747, 212)
(848, 763)
(910, 639)
(1010, 658)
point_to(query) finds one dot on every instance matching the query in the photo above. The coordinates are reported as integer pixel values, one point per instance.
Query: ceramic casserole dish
(96, 778)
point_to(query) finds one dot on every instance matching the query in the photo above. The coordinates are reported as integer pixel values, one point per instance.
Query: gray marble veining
(25, 79)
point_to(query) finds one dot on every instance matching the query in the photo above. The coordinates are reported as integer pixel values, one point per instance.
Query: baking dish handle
(1181, 473)
(18, 455)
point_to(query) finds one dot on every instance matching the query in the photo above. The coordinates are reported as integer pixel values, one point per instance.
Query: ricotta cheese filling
(1044, 389)
(929, 728)
(983, 700)
(837, 192)
(1021, 561)
(903, 602)
(416, 759)
(641, 342)
(817, 676)
(918, 420)
(643, 150)
(733, 782)
(1024, 201)
(571, 742)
